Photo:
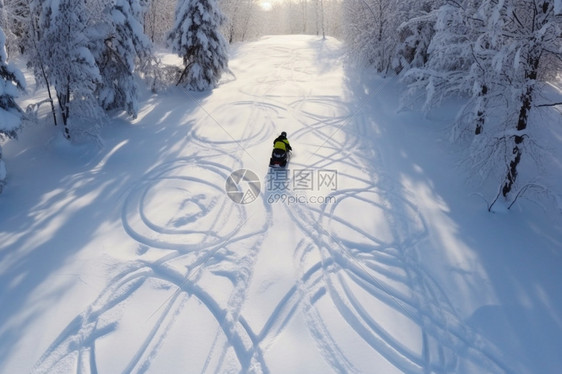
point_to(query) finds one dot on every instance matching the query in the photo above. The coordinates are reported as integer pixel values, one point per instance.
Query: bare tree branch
(553, 104)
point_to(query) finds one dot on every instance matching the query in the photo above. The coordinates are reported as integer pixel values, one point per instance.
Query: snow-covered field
(370, 254)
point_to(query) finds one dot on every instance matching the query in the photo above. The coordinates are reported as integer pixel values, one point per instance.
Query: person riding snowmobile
(281, 142)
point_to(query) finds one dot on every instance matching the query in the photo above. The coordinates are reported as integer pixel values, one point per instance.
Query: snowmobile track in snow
(343, 266)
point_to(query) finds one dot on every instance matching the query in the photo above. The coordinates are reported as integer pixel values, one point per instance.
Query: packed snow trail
(284, 283)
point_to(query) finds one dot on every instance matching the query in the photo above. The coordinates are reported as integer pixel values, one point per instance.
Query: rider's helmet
(284, 134)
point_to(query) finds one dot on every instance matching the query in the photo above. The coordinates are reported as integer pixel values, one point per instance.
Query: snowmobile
(279, 158)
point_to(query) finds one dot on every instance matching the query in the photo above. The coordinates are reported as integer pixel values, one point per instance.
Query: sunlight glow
(266, 5)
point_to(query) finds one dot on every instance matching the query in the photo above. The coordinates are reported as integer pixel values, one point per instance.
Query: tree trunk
(526, 101)
(531, 75)
(64, 105)
(322, 23)
(34, 39)
(481, 105)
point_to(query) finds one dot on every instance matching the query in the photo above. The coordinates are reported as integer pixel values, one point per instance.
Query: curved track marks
(358, 275)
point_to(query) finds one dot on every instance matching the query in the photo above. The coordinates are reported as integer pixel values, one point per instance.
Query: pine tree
(124, 44)
(11, 81)
(197, 39)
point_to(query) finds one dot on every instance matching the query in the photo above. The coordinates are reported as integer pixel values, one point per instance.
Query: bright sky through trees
(266, 5)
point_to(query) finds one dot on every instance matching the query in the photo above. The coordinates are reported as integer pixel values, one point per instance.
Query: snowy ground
(369, 255)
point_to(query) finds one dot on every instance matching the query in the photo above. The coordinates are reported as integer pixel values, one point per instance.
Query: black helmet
(284, 134)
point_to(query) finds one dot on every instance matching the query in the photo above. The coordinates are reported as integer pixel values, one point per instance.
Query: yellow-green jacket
(282, 143)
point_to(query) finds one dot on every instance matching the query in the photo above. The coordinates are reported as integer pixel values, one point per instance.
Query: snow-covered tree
(123, 44)
(62, 48)
(415, 35)
(5, 23)
(196, 37)
(371, 30)
(242, 19)
(11, 82)
(497, 53)
(533, 34)
(449, 56)
(14, 16)
(159, 19)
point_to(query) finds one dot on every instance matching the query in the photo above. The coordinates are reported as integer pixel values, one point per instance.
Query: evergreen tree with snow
(124, 44)
(11, 81)
(196, 37)
(67, 63)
